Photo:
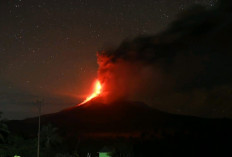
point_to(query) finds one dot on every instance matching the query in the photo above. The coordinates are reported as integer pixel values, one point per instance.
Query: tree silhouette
(49, 136)
(4, 132)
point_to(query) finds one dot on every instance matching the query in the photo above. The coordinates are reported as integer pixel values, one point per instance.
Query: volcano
(122, 118)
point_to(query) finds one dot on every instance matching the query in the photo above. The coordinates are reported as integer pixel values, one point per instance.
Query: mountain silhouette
(122, 118)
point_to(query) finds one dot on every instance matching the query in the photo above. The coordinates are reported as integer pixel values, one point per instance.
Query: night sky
(48, 48)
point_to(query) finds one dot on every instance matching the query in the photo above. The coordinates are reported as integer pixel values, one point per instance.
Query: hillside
(122, 117)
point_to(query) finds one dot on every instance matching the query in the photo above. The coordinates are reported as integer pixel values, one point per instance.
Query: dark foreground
(129, 129)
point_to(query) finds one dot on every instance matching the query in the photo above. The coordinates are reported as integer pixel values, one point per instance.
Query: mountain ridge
(121, 117)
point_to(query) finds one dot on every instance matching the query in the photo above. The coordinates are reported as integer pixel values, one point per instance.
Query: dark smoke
(185, 69)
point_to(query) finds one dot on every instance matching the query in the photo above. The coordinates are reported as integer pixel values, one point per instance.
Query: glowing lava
(97, 91)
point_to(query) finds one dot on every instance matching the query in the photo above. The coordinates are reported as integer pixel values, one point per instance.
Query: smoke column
(178, 70)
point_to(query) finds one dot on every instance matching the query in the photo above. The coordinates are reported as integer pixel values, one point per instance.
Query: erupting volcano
(96, 92)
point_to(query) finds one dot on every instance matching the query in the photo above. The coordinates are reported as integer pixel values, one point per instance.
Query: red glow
(96, 92)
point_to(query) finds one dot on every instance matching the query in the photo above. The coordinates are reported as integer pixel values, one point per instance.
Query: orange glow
(96, 92)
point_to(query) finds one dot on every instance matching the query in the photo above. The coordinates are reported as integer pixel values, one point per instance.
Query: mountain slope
(122, 117)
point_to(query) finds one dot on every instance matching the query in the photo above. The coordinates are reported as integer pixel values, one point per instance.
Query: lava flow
(97, 92)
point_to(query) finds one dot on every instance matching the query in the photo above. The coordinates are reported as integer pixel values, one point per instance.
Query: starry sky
(48, 48)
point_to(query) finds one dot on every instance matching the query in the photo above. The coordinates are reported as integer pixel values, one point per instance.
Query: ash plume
(185, 69)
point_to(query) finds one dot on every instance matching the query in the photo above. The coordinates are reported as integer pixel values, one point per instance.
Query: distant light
(104, 154)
